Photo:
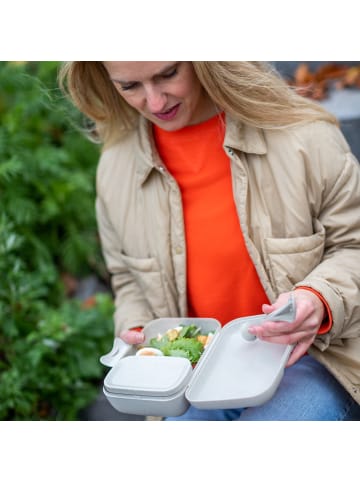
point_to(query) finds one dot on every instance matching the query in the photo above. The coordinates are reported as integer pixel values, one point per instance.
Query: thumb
(132, 337)
(267, 308)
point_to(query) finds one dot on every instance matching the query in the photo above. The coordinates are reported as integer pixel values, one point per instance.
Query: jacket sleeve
(131, 308)
(337, 277)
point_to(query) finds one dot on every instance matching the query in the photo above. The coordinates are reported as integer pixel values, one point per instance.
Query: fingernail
(139, 337)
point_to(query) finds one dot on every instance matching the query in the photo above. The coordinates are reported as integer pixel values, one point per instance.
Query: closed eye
(170, 74)
(128, 86)
(164, 75)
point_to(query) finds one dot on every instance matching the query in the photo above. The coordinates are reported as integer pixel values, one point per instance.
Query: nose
(156, 99)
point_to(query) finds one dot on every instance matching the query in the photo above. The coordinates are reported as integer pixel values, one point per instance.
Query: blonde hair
(88, 86)
(252, 92)
(255, 93)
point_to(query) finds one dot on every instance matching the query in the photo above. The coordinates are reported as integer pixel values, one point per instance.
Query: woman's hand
(310, 312)
(132, 337)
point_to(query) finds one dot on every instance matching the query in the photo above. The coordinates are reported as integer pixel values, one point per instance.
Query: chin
(172, 128)
(169, 126)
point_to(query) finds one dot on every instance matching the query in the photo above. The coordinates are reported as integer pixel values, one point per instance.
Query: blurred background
(55, 301)
(55, 307)
(336, 85)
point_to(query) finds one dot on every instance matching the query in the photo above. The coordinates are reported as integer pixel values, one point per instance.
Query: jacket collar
(145, 151)
(243, 137)
(238, 136)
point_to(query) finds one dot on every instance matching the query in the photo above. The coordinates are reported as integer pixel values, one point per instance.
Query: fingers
(289, 337)
(267, 309)
(282, 300)
(299, 350)
(309, 315)
(273, 328)
(132, 337)
(301, 332)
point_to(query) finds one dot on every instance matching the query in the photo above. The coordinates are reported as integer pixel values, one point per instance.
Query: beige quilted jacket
(297, 192)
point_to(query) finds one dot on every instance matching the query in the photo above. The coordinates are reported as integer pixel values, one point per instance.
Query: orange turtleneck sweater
(222, 282)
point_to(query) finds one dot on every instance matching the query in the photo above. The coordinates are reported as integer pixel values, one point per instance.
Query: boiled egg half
(149, 351)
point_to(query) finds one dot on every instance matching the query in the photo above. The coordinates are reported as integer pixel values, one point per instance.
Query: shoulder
(314, 143)
(325, 148)
(315, 154)
(117, 151)
(116, 160)
(322, 134)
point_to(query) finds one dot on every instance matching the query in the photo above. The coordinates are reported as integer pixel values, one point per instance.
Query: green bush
(49, 344)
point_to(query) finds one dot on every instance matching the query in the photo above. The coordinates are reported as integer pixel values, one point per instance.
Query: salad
(185, 341)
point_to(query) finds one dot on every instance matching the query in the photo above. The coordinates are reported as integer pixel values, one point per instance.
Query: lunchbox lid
(153, 376)
(237, 371)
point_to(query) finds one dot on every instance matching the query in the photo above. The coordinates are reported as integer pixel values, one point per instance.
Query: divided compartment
(153, 385)
(161, 325)
(146, 385)
(154, 376)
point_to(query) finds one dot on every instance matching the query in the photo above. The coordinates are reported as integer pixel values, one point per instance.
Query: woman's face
(168, 94)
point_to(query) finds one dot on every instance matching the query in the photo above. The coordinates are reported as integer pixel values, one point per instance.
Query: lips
(168, 114)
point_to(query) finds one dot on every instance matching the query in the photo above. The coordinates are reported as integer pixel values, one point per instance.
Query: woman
(219, 192)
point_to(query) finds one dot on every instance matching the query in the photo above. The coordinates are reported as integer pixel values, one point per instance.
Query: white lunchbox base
(149, 385)
(150, 406)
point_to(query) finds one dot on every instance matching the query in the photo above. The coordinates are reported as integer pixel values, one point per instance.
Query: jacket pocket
(290, 260)
(147, 275)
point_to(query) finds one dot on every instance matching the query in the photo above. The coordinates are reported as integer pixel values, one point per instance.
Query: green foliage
(47, 169)
(53, 371)
(49, 345)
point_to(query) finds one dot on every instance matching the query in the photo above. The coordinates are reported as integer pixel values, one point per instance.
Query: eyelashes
(134, 85)
(128, 86)
(170, 74)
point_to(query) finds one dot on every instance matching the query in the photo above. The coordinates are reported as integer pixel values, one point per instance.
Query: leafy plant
(49, 344)
(54, 371)
(47, 170)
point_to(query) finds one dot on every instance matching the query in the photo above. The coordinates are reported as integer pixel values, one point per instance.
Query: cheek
(191, 91)
(132, 100)
(184, 95)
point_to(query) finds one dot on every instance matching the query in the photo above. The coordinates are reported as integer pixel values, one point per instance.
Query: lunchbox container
(235, 370)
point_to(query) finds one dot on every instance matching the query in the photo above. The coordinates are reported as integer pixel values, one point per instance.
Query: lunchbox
(235, 370)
